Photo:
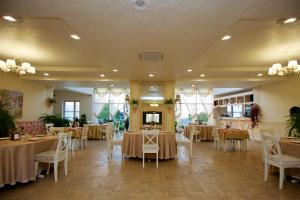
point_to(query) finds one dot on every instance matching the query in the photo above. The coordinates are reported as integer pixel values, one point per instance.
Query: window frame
(74, 109)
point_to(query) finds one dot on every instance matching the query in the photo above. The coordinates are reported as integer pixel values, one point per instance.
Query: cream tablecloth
(17, 158)
(230, 133)
(96, 131)
(206, 131)
(132, 145)
(292, 149)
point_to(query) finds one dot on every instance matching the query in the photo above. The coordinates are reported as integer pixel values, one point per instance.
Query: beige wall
(34, 95)
(86, 102)
(274, 100)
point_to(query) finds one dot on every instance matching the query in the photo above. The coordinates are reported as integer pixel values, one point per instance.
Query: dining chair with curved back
(217, 139)
(274, 156)
(55, 156)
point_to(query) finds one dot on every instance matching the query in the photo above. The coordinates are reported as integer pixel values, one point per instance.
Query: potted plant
(293, 122)
(134, 103)
(169, 102)
(7, 121)
(50, 101)
(56, 119)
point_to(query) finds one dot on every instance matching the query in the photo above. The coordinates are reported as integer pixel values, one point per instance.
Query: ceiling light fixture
(9, 18)
(260, 74)
(46, 74)
(11, 66)
(193, 85)
(189, 70)
(202, 75)
(102, 75)
(290, 20)
(151, 75)
(226, 37)
(75, 37)
(140, 4)
(278, 69)
(153, 104)
(115, 70)
(111, 85)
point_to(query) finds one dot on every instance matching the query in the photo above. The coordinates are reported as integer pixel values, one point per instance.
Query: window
(196, 105)
(71, 109)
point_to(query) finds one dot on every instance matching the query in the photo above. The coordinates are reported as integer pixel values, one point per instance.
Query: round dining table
(205, 131)
(133, 142)
(17, 158)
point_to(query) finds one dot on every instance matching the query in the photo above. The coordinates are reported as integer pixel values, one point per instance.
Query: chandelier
(278, 69)
(11, 66)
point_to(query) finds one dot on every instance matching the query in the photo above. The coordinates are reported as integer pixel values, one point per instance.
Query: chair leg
(48, 169)
(266, 171)
(55, 171)
(191, 150)
(157, 160)
(36, 165)
(66, 167)
(81, 143)
(281, 177)
(86, 142)
(143, 160)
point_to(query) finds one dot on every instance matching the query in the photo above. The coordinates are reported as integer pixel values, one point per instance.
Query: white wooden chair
(273, 156)
(48, 128)
(195, 133)
(55, 130)
(113, 139)
(84, 136)
(55, 156)
(217, 139)
(77, 124)
(184, 141)
(150, 144)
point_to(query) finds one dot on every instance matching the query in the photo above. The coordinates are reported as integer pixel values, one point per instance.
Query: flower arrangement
(169, 102)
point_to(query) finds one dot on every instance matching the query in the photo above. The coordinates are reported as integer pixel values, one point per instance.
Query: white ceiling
(187, 33)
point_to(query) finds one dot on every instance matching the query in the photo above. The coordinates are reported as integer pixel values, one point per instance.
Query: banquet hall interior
(149, 99)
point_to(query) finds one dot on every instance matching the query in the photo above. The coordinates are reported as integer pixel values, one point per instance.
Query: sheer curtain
(193, 102)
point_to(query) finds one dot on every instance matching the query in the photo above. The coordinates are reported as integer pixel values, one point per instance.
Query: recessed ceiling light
(102, 75)
(226, 37)
(9, 18)
(152, 87)
(151, 75)
(115, 70)
(75, 37)
(290, 20)
(189, 70)
(260, 74)
(202, 75)
(193, 85)
(111, 85)
(46, 74)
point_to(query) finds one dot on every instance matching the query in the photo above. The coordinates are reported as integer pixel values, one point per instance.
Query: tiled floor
(211, 175)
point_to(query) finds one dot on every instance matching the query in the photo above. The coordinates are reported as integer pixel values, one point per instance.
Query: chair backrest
(63, 144)
(77, 124)
(84, 132)
(56, 130)
(193, 128)
(267, 131)
(271, 146)
(48, 128)
(109, 132)
(215, 133)
(150, 137)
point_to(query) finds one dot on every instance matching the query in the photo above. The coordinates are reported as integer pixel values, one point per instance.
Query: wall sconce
(153, 104)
